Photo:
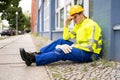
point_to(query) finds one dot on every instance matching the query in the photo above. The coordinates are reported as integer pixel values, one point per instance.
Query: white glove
(65, 48)
(73, 45)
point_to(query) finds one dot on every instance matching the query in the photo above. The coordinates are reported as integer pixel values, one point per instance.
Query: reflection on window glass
(57, 3)
(75, 1)
(79, 2)
(67, 10)
(46, 2)
(57, 20)
(91, 8)
(61, 18)
(67, 14)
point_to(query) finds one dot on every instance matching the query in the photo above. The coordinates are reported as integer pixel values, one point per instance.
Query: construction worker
(88, 42)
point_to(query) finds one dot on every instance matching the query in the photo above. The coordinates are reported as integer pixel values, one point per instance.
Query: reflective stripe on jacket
(88, 36)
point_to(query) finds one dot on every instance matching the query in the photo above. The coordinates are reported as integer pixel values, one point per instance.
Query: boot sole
(24, 57)
(22, 54)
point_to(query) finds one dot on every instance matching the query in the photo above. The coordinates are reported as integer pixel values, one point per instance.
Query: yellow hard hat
(75, 9)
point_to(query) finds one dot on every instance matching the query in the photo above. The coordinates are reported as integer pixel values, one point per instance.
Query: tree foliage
(4, 4)
(9, 9)
(27, 22)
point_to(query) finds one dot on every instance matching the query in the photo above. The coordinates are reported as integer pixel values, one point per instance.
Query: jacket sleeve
(95, 36)
(95, 33)
(68, 34)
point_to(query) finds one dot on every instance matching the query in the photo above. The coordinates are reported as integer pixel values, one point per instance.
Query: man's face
(77, 18)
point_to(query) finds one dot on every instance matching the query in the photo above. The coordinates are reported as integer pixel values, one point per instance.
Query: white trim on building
(0, 27)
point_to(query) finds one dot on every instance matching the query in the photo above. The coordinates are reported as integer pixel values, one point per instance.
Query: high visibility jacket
(88, 36)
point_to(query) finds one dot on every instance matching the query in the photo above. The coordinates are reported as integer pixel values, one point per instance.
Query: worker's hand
(68, 20)
(65, 48)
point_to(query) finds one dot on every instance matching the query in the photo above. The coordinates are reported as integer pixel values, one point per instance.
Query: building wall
(102, 16)
(46, 23)
(107, 15)
(33, 16)
(115, 29)
(104, 12)
(49, 24)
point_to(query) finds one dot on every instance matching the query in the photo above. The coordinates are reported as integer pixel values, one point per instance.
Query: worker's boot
(22, 53)
(27, 57)
(34, 53)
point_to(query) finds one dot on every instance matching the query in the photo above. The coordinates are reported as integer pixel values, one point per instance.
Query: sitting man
(88, 42)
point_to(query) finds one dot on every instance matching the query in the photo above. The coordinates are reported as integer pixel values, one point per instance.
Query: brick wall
(33, 16)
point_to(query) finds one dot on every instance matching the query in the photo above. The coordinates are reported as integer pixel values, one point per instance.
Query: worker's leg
(78, 55)
(53, 56)
(52, 45)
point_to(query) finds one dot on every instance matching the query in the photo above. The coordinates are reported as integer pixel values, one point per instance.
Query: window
(62, 11)
(62, 8)
(61, 3)
(61, 18)
(67, 10)
(59, 14)
(67, 14)
(57, 20)
(79, 2)
(46, 2)
(46, 15)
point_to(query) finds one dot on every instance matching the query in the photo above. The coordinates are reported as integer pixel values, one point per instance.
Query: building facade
(33, 16)
(51, 15)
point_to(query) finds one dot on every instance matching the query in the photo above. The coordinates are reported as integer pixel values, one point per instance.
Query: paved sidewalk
(11, 65)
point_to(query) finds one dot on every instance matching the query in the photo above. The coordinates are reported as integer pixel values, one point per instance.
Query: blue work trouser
(49, 54)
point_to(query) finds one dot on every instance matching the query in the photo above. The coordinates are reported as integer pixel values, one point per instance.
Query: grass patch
(35, 34)
(85, 68)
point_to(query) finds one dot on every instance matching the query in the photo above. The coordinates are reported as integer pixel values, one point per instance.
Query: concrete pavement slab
(11, 65)
(21, 72)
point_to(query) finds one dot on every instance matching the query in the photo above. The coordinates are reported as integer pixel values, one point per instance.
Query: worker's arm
(66, 33)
